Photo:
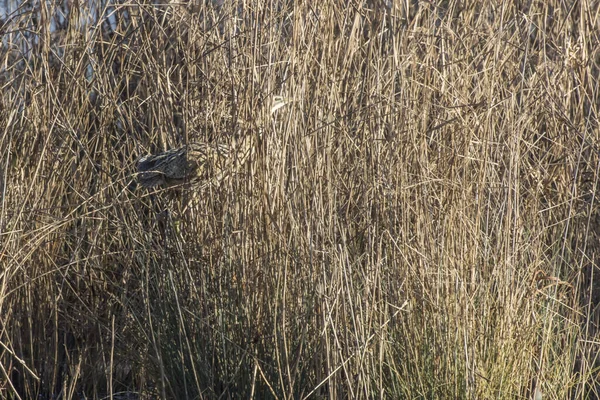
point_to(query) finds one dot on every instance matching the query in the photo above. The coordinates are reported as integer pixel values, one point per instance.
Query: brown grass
(421, 222)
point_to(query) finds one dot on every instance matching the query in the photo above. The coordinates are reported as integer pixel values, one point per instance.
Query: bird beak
(279, 102)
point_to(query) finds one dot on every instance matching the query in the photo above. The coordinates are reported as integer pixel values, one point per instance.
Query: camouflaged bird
(196, 162)
(185, 164)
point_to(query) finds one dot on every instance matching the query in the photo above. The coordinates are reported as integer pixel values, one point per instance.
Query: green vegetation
(421, 222)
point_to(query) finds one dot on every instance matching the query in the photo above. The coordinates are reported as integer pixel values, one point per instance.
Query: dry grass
(421, 222)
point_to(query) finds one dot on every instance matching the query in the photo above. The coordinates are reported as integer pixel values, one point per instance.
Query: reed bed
(419, 222)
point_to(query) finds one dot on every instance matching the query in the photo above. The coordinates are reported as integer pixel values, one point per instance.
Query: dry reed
(421, 222)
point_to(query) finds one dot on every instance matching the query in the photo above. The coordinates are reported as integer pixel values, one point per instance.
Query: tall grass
(420, 222)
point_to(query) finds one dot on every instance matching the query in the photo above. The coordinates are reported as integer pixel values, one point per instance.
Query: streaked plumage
(197, 161)
(186, 164)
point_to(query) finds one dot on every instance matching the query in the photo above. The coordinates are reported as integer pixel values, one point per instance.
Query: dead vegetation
(421, 222)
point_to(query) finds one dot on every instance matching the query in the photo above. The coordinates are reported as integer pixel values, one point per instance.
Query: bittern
(196, 162)
(189, 163)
